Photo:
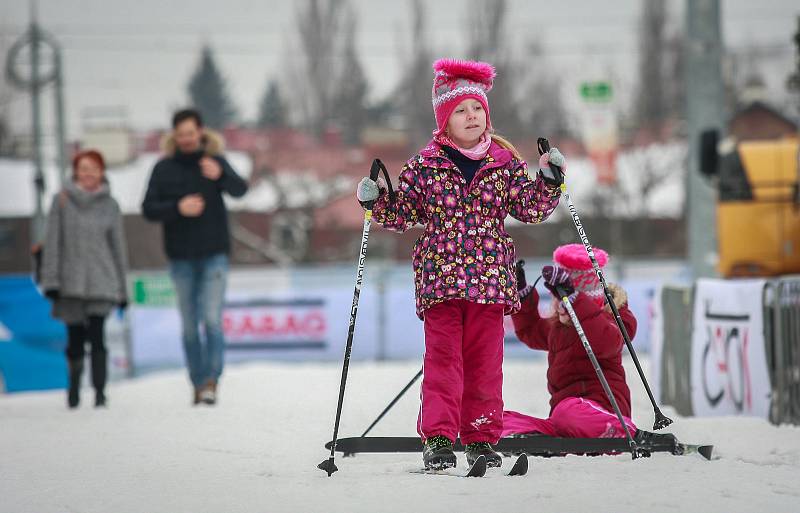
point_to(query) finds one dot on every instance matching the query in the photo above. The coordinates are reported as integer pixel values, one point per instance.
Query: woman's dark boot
(99, 359)
(99, 376)
(75, 373)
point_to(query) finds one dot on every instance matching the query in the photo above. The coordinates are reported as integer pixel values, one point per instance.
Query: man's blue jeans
(200, 288)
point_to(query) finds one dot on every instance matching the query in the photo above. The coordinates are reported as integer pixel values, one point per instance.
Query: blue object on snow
(31, 342)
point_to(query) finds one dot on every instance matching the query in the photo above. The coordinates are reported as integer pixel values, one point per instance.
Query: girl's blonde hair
(505, 143)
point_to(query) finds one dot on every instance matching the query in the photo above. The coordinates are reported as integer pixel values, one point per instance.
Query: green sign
(596, 91)
(153, 290)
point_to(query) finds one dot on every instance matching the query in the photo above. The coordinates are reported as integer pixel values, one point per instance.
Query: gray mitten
(367, 190)
(557, 159)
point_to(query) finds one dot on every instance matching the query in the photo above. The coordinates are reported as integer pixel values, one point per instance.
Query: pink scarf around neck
(477, 152)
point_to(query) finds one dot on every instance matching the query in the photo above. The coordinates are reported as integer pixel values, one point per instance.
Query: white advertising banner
(311, 323)
(729, 367)
(311, 326)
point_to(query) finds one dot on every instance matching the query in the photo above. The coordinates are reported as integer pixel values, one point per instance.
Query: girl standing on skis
(579, 407)
(461, 187)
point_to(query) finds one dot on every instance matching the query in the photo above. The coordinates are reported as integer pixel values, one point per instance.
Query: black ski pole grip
(552, 176)
(374, 172)
(543, 145)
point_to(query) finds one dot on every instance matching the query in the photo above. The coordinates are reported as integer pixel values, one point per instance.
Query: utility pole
(34, 40)
(794, 80)
(705, 104)
(794, 83)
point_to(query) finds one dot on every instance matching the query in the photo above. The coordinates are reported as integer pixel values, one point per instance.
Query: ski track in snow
(258, 450)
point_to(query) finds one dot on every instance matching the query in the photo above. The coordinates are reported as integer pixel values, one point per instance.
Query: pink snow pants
(462, 382)
(574, 417)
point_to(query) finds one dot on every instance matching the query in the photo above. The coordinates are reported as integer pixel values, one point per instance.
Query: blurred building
(301, 205)
(758, 120)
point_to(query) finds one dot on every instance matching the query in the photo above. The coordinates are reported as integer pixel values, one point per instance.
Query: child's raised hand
(557, 278)
(553, 157)
(367, 190)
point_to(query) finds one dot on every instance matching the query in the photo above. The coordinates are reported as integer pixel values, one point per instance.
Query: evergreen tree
(272, 111)
(208, 92)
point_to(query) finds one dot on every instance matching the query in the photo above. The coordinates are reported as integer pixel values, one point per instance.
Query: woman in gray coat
(83, 267)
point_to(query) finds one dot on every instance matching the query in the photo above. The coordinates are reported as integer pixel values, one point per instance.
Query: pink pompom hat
(455, 81)
(573, 258)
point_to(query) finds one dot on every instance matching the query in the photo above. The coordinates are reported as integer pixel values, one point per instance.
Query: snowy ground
(258, 451)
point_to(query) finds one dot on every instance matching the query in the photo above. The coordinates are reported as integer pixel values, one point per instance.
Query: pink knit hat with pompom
(454, 82)
(573, 258)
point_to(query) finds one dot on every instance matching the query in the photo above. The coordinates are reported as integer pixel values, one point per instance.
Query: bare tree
(645, 170)
(351, 96)
(744, 77)
(675, 82)
(488, 40)
(415, 83)
(547, 114)
(661, 91)
(290, 201)
(651, 105)
(313, 68)
(6, 96)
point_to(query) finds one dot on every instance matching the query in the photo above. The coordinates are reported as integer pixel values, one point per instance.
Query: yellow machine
(758, 205)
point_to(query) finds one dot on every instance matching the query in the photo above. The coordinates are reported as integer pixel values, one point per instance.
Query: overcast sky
(140, 54)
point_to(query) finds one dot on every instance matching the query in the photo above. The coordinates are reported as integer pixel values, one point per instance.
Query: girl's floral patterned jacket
(465, 251)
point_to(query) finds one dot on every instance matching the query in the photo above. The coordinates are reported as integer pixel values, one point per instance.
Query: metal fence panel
(785, 350)
(677, 306)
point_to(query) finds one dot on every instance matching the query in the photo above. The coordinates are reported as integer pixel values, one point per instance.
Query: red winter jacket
(570, 372)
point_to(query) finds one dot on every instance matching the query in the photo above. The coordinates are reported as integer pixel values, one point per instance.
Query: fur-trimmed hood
(618, 294)
(212, 141)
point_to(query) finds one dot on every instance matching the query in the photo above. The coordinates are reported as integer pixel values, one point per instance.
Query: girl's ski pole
(556, 177)
(329, 465)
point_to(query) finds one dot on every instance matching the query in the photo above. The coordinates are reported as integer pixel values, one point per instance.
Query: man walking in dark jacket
(185, 194)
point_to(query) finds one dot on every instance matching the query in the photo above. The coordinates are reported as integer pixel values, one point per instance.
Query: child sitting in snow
(579, 407)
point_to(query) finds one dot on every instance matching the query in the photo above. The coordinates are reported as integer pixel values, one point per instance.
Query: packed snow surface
(258, 449)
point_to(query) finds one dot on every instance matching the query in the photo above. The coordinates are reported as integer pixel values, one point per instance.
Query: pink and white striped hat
(454, 82)
(573, 258)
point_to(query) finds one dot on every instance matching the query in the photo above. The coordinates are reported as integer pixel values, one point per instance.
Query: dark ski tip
(705, 451)
(520, 467)
(684, 449)
(328, 466)
(478, 468)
